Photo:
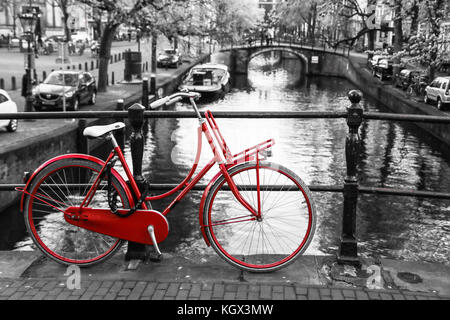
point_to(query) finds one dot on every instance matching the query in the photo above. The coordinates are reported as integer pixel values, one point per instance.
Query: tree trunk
(312, 23)
(398, 29)
(105, 55)
(414, 14)
(398, 35)
(371, 40)
(66, 26)
(371, 36)
(97, 16)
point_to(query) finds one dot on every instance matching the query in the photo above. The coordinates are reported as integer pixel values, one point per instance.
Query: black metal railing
(354, 115)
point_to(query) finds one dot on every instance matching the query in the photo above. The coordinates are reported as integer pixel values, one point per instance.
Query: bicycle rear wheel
(281, 235)
(62, 184)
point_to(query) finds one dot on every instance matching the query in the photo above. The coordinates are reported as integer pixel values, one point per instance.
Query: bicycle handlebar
(175, 98)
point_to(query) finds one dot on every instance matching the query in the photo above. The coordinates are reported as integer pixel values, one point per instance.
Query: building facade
(51, 19)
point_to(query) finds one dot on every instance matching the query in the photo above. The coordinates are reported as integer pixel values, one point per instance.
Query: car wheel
(439, 103)
(38, 108)
(75, 104)
(93, 98)
(409, 91)
(12, 126)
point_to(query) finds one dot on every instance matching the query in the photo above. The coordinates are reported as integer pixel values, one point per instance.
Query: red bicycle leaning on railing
(257, 215)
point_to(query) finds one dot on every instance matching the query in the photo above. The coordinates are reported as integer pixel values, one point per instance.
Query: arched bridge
(315, 60)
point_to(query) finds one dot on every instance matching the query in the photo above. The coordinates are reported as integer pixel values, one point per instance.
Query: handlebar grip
(172, 101)
(160, 102)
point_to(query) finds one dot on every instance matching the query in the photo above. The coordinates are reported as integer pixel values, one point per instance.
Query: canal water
(393, 155)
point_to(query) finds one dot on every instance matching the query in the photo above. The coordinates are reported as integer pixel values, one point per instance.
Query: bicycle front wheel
(62, 184)
(284, 230)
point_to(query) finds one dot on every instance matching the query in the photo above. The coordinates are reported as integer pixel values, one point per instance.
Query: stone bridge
(315, 60)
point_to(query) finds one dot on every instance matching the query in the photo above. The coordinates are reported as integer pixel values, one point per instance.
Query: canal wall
(353, 69)
(392, 98)
(45, 139)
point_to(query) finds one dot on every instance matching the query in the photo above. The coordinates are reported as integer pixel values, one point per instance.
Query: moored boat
(209, 79)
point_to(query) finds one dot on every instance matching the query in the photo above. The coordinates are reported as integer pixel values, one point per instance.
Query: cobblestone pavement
(44, 289)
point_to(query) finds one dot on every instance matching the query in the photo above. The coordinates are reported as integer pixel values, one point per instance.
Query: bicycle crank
(151, 232)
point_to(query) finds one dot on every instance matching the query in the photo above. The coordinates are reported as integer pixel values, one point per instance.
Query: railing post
(82, 141)
(145, 93)
(153, 84)
(348, 251)
(136, 251)
(120, 134)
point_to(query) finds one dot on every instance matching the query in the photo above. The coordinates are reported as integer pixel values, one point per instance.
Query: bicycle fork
(234, 189)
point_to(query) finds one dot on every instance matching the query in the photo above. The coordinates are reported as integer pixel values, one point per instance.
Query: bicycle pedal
(156, 257)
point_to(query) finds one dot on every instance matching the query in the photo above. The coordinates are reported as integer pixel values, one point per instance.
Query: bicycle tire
(59, 240)
(236, 238)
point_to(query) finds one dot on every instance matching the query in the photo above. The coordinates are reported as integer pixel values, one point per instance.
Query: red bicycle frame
(230, 160)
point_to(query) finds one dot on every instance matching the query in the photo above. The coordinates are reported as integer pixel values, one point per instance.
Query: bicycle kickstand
(151, 232)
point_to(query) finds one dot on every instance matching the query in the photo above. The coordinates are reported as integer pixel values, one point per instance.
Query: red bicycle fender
(77, 156)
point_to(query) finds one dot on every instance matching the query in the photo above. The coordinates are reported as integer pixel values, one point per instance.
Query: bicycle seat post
(113, 140)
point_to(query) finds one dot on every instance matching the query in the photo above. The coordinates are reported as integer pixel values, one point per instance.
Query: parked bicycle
(417, 86)
(257, 215)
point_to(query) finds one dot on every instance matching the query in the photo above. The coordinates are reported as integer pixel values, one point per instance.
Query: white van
(438, 91)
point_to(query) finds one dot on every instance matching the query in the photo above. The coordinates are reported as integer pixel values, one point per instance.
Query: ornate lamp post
(28, 21)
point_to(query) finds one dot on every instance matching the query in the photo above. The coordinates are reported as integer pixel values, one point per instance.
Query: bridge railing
(354, 115)
(316, 44)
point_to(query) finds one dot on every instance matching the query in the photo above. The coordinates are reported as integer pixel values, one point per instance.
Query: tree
(292, 14)
(117, 12)
(398, 24)
(65, 5)
(342, 14)
(228, 19)
(145, 14)
(424, 47)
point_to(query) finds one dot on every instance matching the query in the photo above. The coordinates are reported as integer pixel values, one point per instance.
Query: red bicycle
(257, 215)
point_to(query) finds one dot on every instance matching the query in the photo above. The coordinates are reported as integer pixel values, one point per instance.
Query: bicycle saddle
(98, 131)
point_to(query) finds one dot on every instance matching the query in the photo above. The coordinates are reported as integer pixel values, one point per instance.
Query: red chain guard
(132, 228)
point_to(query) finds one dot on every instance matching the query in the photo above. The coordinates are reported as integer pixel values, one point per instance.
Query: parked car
(75, 87)
(14, 43)
(169, 58)
(56, 38)
(382, 68)
(439, 92)
(405, 77)
(374, 60)
(7, 106)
